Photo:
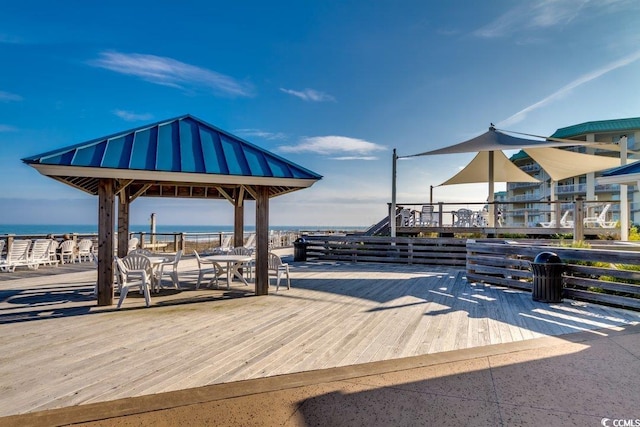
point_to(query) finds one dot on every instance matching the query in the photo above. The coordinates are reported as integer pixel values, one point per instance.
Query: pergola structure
(183, 157)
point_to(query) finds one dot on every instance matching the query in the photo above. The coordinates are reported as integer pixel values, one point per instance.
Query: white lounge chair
(426, 216)
(600, 220)
(39, 253)
(134, 272)
(251, 242)
(17, 255)
(278, 268)
(132, 244)
(171, 269)
(564, 222)
(53, 252)
(225, 244)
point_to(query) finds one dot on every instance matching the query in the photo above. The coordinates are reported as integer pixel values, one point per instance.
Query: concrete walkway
(581, 379)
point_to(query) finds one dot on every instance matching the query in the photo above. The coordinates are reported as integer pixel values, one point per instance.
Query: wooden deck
(60, 349)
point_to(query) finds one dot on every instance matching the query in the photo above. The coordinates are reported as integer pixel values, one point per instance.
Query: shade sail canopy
(478, 171)
(492, 140)
(181, 157)
(561, 164)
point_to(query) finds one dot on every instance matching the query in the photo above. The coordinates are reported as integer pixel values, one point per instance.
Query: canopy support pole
(491, 197)
(624, 195)
(392, 214)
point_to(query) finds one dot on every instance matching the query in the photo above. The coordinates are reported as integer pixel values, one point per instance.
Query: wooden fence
(442, 251)
(604, 276)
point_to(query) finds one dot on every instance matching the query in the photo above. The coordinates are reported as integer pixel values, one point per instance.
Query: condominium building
(526, 199)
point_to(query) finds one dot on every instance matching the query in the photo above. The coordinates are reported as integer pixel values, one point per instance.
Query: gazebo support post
(238, 223)
(262, 241)
(123, 222)
(106, 201)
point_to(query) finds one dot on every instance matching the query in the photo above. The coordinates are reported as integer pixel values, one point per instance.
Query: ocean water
(61, 229)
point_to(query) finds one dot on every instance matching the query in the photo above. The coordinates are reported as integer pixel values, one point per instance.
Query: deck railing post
(578, 218)
(440, 211)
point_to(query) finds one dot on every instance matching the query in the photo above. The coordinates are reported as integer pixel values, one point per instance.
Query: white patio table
(234, 262)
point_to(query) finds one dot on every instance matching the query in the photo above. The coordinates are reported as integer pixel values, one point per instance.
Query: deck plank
(59, 348)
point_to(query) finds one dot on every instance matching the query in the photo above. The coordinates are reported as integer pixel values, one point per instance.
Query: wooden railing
(441, 251)
(603, 276)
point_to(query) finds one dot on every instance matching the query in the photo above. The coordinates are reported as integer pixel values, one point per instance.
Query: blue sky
(331, 85)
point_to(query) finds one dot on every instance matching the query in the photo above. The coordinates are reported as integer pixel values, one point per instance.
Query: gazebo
(183, 157)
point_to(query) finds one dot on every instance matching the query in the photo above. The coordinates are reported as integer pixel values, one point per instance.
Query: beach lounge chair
(206, 266)
(134, 272)
(426, 216)
(132, 245)
(85, 250)
(601, 219)
(251, 242)
(564, 222)
(225, 244)
(67, 251)
(2, 243)
(39, 253)
(17, 255)
(169, 268)
(278, 268)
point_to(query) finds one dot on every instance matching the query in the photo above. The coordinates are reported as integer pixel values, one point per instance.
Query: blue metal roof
(631, 168)
(183, 144)
(180, 150)
(601, 126)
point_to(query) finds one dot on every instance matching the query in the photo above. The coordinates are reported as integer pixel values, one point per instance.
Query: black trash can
(300, 250)
(547, 277)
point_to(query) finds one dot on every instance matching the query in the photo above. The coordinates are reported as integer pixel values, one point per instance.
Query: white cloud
(7, 128)
(6, 96)
(130, 116)
(355, 158)
(545, 14)
(309, 95)
(261, 134)
(353, 148)
(586, 78)
(170, 72)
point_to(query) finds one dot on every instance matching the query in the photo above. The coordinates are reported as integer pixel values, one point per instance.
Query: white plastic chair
(278, 268)
(246, 266)
(39, 253)
(134, 272)
(85, 250)
(206, 266)
(171, 270)
(17, 255)
(600, 220)
(67, 251)
(53, 252)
